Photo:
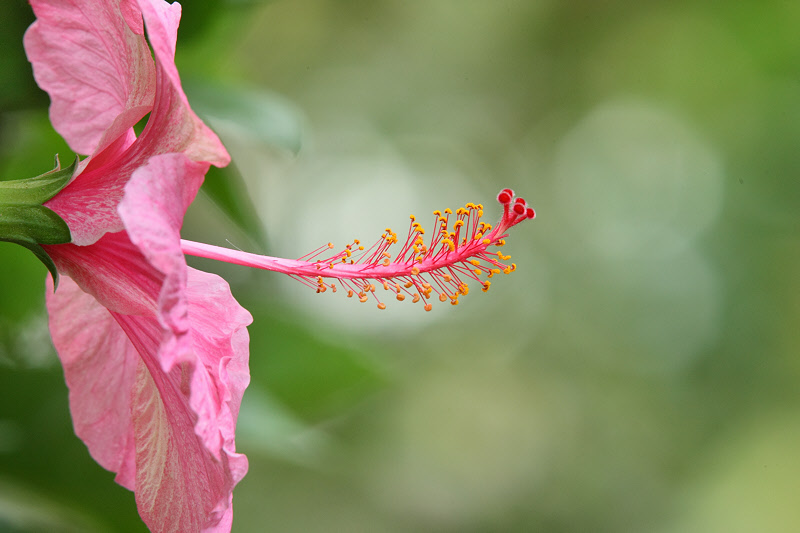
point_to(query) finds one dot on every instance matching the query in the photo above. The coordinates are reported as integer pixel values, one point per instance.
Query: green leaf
(257, 115)
(226, 188)
(39, 189)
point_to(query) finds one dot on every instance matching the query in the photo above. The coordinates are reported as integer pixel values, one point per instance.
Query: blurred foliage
(637, 373)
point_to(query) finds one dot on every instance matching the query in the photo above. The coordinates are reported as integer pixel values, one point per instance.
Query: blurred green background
(639, 372)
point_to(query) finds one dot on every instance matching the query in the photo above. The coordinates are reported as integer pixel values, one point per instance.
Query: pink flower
(155, 354)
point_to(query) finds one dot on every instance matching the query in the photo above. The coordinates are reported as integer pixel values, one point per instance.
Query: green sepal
(39, 189)
(24, 221)
(32, 223)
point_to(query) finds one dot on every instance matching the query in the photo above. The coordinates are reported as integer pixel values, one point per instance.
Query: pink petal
(190, 336)
(88, 204)
(155, 201)
(100, 368)
(181, 483)
(176, 128)
(169, 435)
(96, 67)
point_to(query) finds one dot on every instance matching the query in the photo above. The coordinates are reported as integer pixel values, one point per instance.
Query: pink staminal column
(457, 251)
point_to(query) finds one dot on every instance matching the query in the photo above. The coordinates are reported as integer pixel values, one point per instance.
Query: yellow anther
(478, 236)
(330, 265)
(454, 301)
(448, 211)
(400, 297)
(477, 271)
(486, 285)
(421, 231)
(363, 299)
(426, 285)
(470, 205)
(447, 278)
(415, 298)
(443, 220)
(408, 284)
(348, 253)
(385, 286)
(458, 224)
(386, 262)
(478, 206)
(487, 242)
(414, 271)
(443, 297)
(371, 287)
(412, 217)
(386, 254)
(381, 306)
(428, 307)
(480, 213)
(501, 242)
(513, 267)
(437, 213)
(349, 293)
(330, 245)
(475, 262)
(360, 247)
(356, 241)
(333, 287)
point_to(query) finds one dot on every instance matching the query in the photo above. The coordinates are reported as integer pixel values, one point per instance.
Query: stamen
(452, 256)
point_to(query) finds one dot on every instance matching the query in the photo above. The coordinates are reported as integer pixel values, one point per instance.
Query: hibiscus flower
(155, 354)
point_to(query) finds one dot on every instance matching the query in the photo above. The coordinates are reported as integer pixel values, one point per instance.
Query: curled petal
(174, 126)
